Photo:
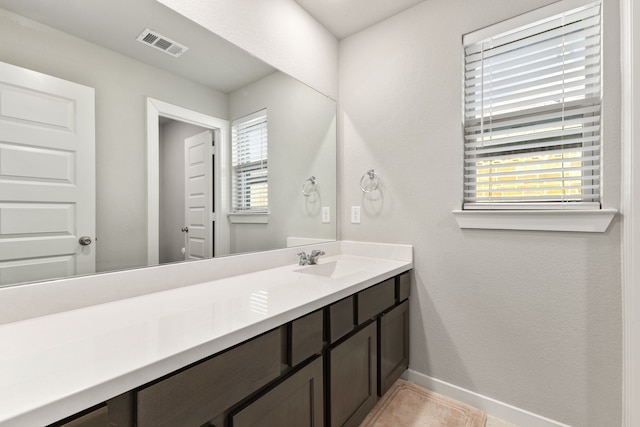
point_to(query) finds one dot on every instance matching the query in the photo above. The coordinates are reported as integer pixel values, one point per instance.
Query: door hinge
(212, 216)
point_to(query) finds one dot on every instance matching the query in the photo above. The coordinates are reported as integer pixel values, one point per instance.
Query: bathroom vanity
(287, 345)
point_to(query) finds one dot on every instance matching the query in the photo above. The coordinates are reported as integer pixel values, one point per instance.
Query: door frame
(155, 109)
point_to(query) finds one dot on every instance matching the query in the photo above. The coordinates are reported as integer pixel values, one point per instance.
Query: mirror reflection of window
(250, 186)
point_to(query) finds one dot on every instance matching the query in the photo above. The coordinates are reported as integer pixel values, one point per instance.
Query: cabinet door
(394, 345)
(353, 378)
(297, 401)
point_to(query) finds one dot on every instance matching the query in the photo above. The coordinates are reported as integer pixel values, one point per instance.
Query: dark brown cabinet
(363, 364)
(353, 379)
(404, 284)
(116, 412)
(305, 337)
(96, 418)
(374, 300)
(326, 368)
(394, 345)
(340, 319)
(200, 393)
(297, 401)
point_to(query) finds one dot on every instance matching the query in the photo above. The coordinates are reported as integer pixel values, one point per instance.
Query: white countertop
(55, 365)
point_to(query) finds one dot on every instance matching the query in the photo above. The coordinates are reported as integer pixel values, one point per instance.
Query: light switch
(326, 214)
(355, 214)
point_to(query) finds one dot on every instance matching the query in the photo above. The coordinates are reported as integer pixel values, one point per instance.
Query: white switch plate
(355, 214)
(326, 214)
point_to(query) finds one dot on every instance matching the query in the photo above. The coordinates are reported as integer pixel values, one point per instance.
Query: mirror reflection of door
(198, 152)
(186, 195)
(47, 178)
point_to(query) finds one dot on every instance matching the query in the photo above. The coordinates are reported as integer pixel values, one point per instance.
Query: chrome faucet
(310, 259)
(304, 259)
(315, 254)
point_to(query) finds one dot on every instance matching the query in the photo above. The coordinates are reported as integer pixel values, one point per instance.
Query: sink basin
(332, 269)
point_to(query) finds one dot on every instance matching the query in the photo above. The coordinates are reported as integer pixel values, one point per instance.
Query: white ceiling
(346, 17)
(115, 24)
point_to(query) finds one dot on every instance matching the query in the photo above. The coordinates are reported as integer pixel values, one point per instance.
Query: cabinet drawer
(196, 395)
(404, 285)
(375, 300)
(297, 401)
(96, 418)
(340, 319)
(116, 412)
(305, 337)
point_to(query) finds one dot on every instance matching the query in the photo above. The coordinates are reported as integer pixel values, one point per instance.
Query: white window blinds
(532, 114)
(250, 187)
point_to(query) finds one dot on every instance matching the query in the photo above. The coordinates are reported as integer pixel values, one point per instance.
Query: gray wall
(548, 340)
(121, 87)
(532, 319)
(302, 128)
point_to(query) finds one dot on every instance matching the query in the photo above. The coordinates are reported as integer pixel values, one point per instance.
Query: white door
(198, 184)
(47, 181)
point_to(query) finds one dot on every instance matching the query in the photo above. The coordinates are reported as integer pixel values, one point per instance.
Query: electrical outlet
(355, 214)
(326, 214)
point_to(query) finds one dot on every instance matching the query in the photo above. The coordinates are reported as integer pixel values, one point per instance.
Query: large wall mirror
(164, 117)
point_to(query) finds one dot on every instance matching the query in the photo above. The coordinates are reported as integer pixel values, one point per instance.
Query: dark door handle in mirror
(185, 229)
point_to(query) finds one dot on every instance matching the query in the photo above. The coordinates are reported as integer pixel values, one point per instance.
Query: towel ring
(372, 185)
(309, 186)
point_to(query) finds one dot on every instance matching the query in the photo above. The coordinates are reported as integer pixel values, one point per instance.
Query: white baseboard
(492, 407)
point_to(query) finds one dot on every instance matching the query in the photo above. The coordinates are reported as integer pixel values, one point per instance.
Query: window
(250, 186)
(532, 99)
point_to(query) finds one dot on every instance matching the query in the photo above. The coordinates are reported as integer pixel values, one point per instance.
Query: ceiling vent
(162, 43)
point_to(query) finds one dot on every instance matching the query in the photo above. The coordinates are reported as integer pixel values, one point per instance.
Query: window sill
(589, 221)
(249, 218)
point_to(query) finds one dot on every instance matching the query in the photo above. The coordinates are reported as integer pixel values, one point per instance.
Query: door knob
(185, 229)
(85, 240)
